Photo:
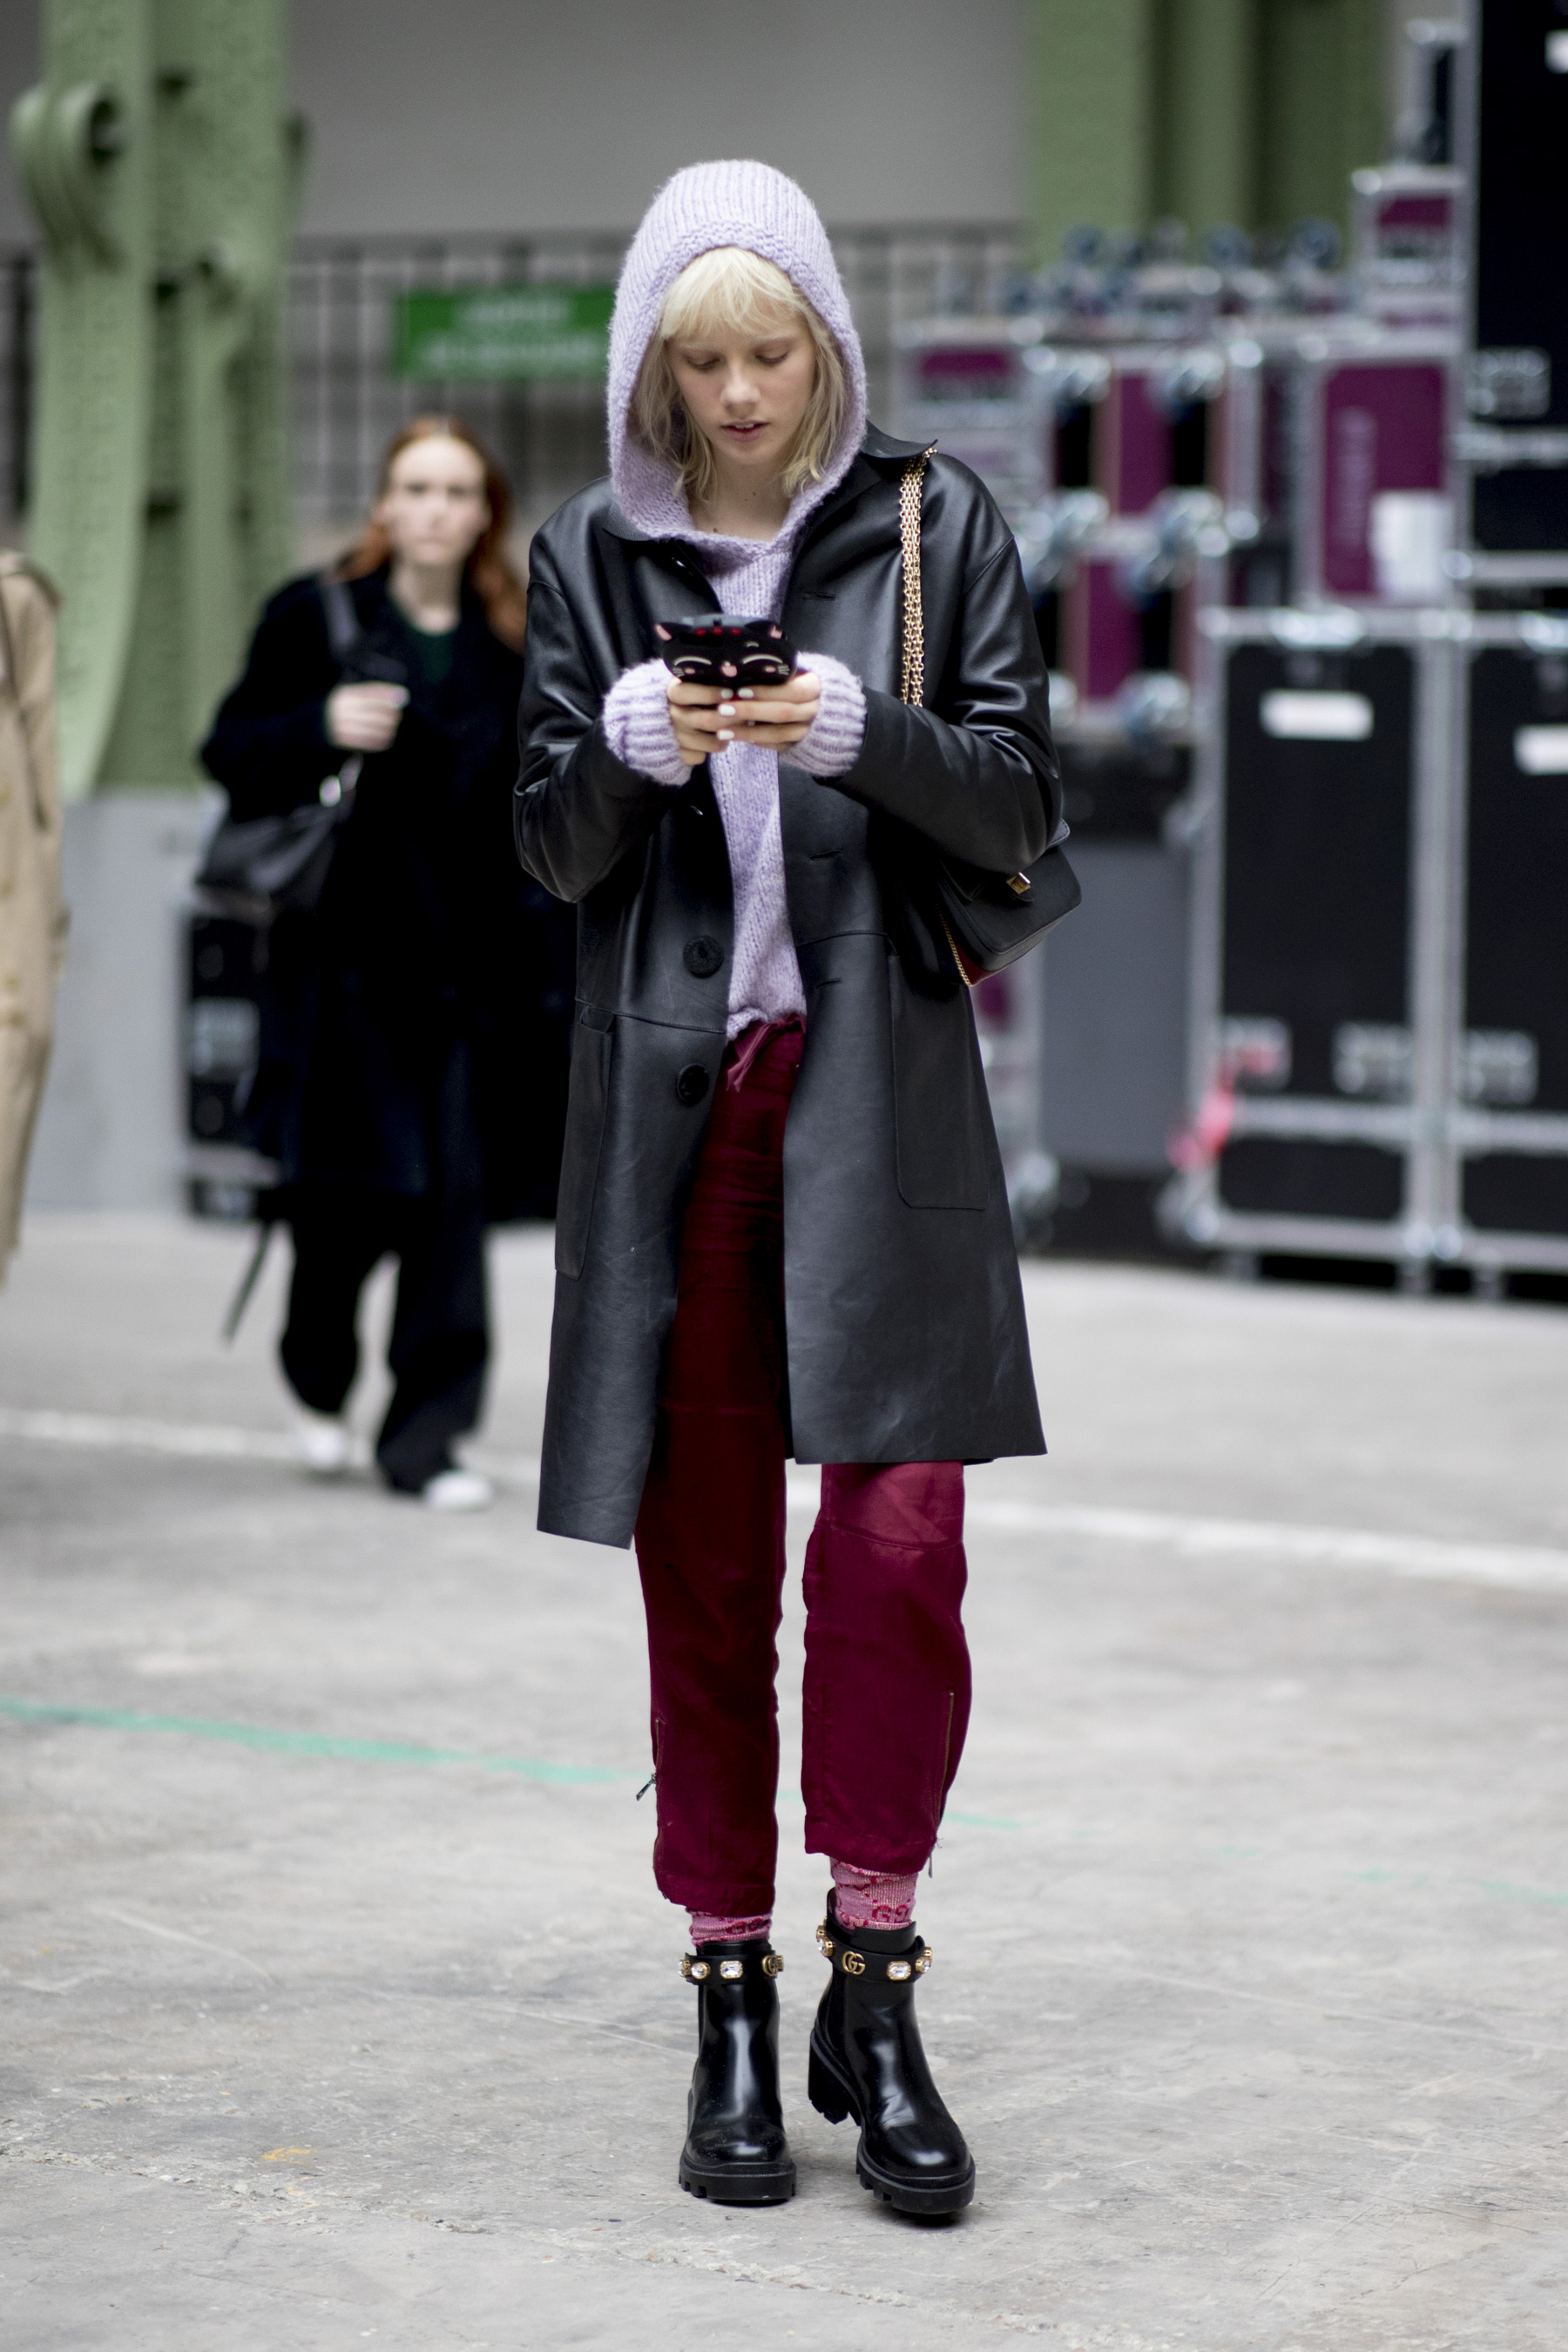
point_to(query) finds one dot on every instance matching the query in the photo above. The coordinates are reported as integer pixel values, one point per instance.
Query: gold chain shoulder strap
(912, 680)
(912, 683)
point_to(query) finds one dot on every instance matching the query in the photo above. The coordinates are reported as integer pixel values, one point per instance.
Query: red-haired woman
(412, 1076)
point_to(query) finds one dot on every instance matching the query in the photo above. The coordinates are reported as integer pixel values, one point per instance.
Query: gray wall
(1113, 1070)
(111, 1128)
(486, 114)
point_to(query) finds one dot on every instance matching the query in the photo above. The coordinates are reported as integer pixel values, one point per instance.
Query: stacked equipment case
(1299, 549)
(1380, 956)
(1511, 1119)
(226, 962)
(1380, 992)
(1513, 133)
(1104, 458)
(1510, 1113)
(1380, 1008)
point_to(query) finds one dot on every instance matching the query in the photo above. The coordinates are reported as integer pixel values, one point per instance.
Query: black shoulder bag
(265, 866)
(958, 916)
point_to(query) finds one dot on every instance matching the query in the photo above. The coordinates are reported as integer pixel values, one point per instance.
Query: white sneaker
(458, 1490)
(323, 1442)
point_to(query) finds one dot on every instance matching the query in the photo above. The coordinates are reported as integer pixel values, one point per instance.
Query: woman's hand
(364, 718)
(708, 720)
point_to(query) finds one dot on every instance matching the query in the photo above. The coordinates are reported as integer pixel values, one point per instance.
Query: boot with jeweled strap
(736, 2152)
(866, 2061)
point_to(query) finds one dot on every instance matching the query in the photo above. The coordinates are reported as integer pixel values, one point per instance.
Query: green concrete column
(1322, 111)
(84, 144)
(1092, 145)
(157, 159)
(1252, 111)
(1206, 119)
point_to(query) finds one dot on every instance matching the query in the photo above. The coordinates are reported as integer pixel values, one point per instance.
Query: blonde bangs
(729, 291)
(724, 293)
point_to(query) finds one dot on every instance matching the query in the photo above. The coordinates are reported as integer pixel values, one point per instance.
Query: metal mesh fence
(550, 434)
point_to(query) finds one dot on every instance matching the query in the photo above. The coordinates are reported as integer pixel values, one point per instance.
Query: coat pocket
(587, 1101)
(946, 1145)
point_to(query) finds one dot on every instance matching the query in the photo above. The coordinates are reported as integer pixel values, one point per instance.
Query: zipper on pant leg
(657, 1790)
(940, 1806)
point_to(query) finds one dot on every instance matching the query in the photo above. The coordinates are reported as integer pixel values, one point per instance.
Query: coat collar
(879, 454)
(371, 593)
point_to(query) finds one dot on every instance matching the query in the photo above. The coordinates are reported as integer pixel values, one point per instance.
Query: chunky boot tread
(734, 2185)
(735, 2151)
(868, 2061)
(906, 2196)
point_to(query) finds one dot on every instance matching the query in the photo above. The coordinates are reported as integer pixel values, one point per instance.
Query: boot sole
(833, 2095)
(771, 2188)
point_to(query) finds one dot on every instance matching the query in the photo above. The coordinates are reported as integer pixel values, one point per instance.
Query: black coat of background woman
(412, 1088)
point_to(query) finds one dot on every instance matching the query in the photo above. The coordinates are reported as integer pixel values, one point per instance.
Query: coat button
(692, 1084)
(702, 958)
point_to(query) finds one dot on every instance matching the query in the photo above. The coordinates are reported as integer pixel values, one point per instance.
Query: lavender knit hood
(710, 205)
(750, 205)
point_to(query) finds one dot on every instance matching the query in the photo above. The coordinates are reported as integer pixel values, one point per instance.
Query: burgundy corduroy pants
(887, 1668)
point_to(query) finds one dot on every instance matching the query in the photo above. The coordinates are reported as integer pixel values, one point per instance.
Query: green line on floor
(310, 1743)
(361, 1752)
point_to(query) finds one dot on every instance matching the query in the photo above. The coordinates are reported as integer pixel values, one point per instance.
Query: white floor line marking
(122, 1434)
(1518, 1567)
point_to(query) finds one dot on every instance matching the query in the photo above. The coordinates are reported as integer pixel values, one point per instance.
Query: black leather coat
(905, 1317)
(429, 944)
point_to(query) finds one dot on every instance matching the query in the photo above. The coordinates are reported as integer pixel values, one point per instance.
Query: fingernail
(726, 711)
(726, 734)
(747, 693)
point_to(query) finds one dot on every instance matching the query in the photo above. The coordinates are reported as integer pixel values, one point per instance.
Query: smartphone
(723, 649)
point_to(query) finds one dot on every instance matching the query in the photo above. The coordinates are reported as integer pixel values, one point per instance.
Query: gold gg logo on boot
(854, 1966)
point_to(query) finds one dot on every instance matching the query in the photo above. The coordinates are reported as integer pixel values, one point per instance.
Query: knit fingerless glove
(831, 744)
(638, 731)
(637, 724)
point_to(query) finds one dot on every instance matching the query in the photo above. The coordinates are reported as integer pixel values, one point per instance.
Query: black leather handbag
(266, 865)
(958, 918)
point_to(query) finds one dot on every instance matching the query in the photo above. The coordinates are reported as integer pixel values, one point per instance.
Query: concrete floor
(340, 2007)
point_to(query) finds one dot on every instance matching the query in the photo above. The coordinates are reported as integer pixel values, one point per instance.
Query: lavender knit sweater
(751, 205)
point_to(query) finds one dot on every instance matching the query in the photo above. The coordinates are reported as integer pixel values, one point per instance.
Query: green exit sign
(497, 331)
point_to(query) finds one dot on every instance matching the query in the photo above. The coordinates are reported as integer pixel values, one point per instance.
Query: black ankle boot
(866, 2062)
(735, 2149)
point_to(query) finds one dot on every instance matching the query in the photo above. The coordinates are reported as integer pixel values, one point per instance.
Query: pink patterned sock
(871, 1899)
(721, 1927)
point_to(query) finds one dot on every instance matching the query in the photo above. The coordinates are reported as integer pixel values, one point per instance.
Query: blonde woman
(782, 1228)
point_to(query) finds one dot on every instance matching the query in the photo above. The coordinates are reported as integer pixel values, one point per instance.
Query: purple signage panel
(1104, 632)
(965, 372)
(1382, 431)
(1134, 441)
